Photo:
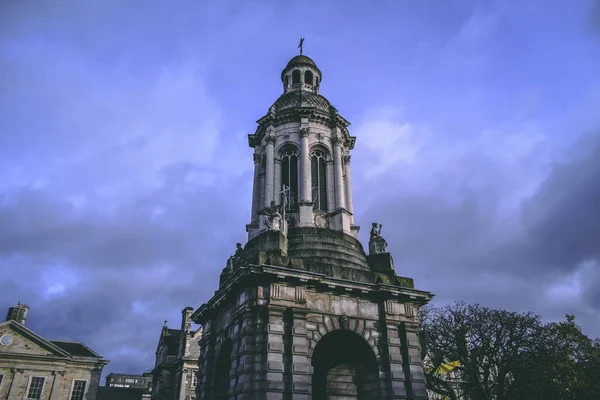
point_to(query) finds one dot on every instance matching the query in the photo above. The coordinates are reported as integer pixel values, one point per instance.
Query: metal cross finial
(300, 45)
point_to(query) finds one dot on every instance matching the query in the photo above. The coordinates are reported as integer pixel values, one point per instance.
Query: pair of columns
(342, 190)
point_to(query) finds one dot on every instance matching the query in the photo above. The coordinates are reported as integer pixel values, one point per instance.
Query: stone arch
(222, 371)
(323, 148)
(287, 154)
(285, 146)
(321, 185)
(296, 77)
(308, 77)
(345, 361)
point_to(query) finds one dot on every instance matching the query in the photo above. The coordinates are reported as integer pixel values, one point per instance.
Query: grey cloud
(564, 222)
(131, 269)
(462, 249)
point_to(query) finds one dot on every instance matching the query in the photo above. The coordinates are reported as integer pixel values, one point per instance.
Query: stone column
(246, 355)
(413, 365)
(256, 190)
(329, 170)
(56, 383)
(274, 352)
(304, 167)
(337, 169)
(277, 181)
(269, 170)
(348, 185)
(305, 206)
(300, 368)
(13, 389)
(205, 363)
(400, 383)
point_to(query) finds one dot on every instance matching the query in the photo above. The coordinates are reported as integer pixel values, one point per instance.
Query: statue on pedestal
(272, 217)
(377, 244)
(231, 261)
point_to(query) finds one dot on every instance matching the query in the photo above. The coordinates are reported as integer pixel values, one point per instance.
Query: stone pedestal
(305, 215)
(273, 241)
(382, 262)
(340, 220)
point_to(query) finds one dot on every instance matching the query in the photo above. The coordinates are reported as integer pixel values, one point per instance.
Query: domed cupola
(301, 73)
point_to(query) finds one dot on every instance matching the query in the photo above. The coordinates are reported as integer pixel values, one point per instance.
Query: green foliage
(507, 355)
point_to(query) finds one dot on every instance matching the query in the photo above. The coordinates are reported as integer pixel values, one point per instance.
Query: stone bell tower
(301, 311)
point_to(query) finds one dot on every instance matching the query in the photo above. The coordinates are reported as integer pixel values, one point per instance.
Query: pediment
(25, 342)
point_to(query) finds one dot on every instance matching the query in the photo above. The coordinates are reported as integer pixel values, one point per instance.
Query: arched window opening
(344, 357)
(308, 77)
(289, 178)
(295, 77)
(286, 80)
(319, 180)
(222, 370)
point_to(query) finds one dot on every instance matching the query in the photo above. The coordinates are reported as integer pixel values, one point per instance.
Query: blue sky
(125, 173)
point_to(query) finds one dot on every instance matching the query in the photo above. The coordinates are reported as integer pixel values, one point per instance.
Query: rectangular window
(36, 385)
(78, 390)
(194, 379)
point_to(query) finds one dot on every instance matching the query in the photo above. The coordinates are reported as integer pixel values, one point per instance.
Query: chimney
(186, 319)
(17, 313)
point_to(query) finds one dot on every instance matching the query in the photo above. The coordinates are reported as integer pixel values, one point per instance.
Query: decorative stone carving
(321, 220)
(304, 132)
(256, 157)
(234, 258)
(290, 219)
(377, 244)
(272, 217)
(343, 322)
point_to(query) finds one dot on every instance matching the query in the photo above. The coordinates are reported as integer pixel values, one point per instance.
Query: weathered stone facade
(301, 311)
(56, 370)
(176, 367)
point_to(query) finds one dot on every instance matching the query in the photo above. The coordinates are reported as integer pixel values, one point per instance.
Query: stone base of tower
(278, 333)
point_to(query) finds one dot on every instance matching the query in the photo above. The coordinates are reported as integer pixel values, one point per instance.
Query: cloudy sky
(125, 173)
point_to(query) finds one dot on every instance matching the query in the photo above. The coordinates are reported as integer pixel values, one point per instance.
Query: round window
(5, 340)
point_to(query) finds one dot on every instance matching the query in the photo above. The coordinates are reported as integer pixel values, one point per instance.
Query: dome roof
(300, 61)
(301, 99)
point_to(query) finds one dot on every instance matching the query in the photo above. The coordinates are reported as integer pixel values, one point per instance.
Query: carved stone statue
(231, 261)
(238, 250)
(272, 217)
(377, 244)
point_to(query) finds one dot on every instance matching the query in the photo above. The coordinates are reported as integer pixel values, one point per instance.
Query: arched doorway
(344, 367)
(222, 369)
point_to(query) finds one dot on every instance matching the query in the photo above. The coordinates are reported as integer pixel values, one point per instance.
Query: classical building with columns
(32, 367)
(301, 311)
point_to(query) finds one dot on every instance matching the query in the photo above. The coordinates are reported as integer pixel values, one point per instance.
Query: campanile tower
(302, 312)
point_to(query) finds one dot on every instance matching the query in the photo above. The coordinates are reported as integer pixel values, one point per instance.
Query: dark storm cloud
(463, 248)
(595, 15)
(113, 277)
(563, 218)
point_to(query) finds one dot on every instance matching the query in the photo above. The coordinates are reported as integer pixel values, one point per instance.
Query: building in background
(176, 366)
(126, 387)
(143, 381)
(32, 367)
